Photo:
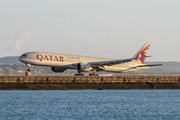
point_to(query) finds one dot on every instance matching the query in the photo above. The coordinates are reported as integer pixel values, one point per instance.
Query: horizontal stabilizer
(150, 65)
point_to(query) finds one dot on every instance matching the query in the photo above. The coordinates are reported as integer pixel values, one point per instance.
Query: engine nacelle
(83, 67)
(58, 69)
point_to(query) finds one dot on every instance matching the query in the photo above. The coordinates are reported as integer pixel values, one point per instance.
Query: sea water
(90, 105)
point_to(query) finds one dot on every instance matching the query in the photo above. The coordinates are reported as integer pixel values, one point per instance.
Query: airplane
(62, 62)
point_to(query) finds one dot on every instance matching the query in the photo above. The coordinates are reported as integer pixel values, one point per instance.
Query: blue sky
(100, 28)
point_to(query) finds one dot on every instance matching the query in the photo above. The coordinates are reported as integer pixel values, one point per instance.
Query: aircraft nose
(20, 58)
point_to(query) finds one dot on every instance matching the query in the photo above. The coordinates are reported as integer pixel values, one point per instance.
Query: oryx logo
(142, 53)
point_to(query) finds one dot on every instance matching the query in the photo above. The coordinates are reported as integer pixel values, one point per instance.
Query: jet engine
(83, 67)
(58, 69)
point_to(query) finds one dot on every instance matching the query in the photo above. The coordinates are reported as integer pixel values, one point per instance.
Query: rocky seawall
(88, 82)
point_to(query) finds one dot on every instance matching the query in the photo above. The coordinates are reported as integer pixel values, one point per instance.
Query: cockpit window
(24, 55)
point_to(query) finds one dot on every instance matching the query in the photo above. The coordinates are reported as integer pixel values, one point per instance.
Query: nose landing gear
(28, 72)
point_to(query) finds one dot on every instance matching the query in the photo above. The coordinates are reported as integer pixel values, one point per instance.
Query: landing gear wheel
(79, 74)
(93, 74)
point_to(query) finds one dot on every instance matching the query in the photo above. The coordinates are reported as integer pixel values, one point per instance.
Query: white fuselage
(70, 61)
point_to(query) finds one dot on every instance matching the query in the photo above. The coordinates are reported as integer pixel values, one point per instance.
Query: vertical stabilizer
(142, 53)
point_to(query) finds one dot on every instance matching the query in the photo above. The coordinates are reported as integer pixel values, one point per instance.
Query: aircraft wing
(150, 65)
(113, 62)
(142, 66)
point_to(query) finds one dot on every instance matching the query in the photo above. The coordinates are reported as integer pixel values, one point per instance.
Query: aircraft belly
(114, 69)
(51, 63)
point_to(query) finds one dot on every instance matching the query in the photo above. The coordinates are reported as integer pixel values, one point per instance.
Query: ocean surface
(90, 105)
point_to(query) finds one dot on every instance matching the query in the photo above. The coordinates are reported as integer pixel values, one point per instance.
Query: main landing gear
(79, 73)
(90, 74)
(78, 68)
(93, 73)
(28, 72)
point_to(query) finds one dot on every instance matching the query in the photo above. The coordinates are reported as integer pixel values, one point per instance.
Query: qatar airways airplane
(62, 62)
